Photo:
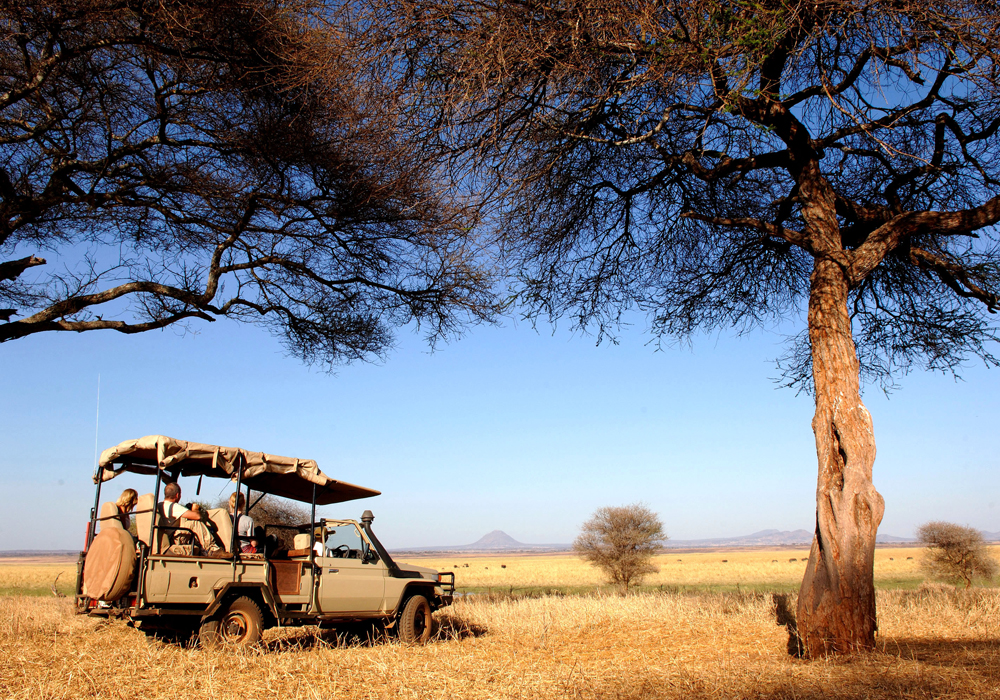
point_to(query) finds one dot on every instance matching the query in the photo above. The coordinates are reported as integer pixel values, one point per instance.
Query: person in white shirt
(173, 512)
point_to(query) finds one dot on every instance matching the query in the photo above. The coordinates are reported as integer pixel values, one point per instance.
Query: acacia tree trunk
(836, 607)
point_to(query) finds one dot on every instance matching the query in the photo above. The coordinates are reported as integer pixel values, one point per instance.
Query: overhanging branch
(12, 269)
(955, 276)
(774, 231)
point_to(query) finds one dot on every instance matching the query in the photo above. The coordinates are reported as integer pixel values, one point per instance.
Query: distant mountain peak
(498, 539)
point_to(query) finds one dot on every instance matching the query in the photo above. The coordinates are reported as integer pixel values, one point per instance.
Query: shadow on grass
(983, 655)
(450, 628)
(370, 634)
(901, 668)
(356, 634)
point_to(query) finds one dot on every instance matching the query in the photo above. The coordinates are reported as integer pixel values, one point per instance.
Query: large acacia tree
(177, 160)
(731, 164)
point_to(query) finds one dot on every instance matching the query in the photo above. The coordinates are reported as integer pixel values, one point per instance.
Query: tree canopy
(195, 159)
(668, 156)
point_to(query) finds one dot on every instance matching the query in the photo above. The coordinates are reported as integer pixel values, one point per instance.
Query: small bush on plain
(955, 553)
(622, 541)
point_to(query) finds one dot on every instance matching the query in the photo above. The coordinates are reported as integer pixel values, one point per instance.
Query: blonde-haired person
(126, 504)
(244, 523)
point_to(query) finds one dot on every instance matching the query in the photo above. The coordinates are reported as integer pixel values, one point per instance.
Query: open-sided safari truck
(328, 572)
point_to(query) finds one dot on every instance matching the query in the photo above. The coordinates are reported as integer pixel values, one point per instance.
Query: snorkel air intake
(394, 570)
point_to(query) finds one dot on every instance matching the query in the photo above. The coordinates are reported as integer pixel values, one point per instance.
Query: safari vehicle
(334, 573)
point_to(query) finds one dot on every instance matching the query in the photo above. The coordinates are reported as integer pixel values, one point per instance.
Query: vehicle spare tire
(110, 565)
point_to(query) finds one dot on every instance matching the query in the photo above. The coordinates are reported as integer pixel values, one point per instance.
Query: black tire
(239, 625)
(416, 623)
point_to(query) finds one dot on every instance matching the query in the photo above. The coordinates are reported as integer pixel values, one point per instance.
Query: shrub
(955, 553)
(622, 542)
(272, 510)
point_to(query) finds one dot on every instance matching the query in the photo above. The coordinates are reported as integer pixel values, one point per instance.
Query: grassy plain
(935, 642)
(34, 576)
(680, 571)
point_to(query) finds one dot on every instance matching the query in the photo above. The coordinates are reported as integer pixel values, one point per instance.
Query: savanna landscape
(340, 175)
(533, 626)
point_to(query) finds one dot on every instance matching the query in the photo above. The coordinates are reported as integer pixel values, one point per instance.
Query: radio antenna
(97, 422)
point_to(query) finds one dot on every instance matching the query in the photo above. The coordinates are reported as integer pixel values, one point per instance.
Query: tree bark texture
(836, 606)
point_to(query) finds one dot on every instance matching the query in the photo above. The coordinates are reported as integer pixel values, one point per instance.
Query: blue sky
(507, 428)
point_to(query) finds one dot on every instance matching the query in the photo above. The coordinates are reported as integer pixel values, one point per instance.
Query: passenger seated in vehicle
(271, 543)
(244, 523)
(117, 514)
(175, 514)
(126, 504)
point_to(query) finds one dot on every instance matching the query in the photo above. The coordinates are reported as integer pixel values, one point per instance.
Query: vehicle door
(352, 579)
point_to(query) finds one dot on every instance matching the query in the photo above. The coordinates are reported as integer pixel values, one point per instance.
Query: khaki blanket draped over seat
(223, 523)
(220, 517)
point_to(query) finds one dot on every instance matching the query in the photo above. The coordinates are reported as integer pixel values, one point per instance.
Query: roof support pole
(156, 511)
(92, 528)
(312, 551)
(259, 499)
(233, 549)
(144, 552)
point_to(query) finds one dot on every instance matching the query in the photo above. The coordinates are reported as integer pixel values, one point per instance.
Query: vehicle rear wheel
(240, 625)
(416, 622)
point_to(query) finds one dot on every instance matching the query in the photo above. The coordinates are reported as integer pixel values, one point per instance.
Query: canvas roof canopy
(282, 476)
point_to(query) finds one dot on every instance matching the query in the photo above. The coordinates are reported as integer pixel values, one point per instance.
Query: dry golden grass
(750, 568)
(935, 643)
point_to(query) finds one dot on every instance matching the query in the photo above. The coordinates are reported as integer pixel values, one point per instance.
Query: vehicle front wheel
(416, 622)
(240, 625)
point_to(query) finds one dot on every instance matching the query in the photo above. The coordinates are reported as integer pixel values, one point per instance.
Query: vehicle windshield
(344, 540)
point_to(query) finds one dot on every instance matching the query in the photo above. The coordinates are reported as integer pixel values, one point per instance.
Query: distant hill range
(496, 541)
(757, 539)
(500, 541)
(769, 538)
